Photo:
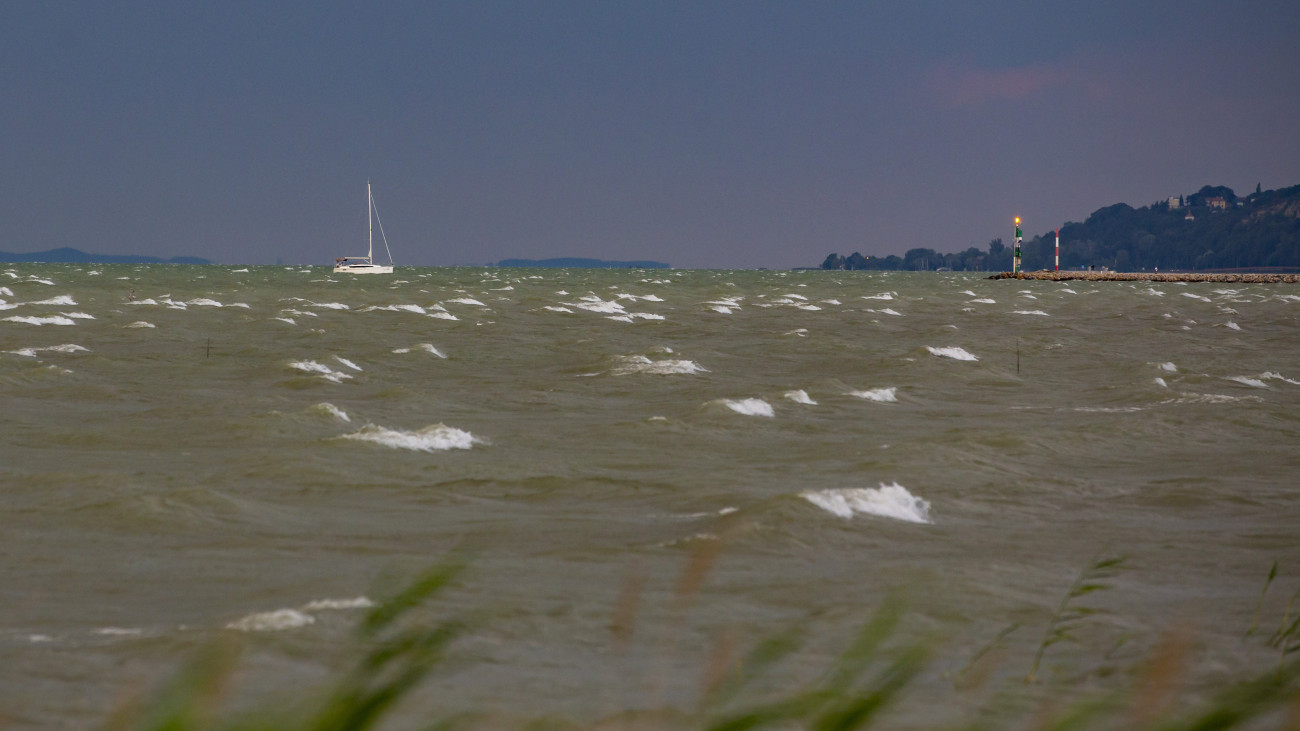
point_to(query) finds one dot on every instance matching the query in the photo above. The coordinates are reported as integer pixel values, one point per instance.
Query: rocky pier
(1216, 277)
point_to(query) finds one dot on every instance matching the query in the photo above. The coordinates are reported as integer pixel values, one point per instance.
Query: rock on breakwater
(1225, 278)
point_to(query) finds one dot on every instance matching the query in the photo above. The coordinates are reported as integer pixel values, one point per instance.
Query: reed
(402, 645)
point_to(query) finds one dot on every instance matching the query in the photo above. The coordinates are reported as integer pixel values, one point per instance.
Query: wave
(629, 364)
(140, 323)
(327, 408)
(324, 371)
(951, 352)
(750, 407)
(887, 501)
(433, 438)
(800, 397)
(54, 320)
(881, 395)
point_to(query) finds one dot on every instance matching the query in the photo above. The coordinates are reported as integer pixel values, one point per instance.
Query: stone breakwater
(1073, 276)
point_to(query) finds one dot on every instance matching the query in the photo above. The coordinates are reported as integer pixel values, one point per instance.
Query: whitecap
(6, 292)
(242, 305)
(145, 301)
(800, 397)
(954, 353)
(645, 316)
(329, 305)
(347, 363)
(1248, 381)
(889, 311)
(397, 308)
(78, 315)
(324, 371)
(63, 300)
(881, 395)
(238, 271)
(1232, 325)
(119, 631)
(720, 309)
(629, 364)
(285, 319)
(599, 306)
(280, 619)
(1161, 382)
(881, 296)
(318, 605)
(56, 320)
(985, 301)
(886, 501)
(443, 315)
(750, 407)
(1029, 312)
(140, 323)
(809, 308)
(467, 301)
(331, 410)
(1196, 296)
(434, 438)
(204, 302)
(1168, 367)
(557, 309)
(619, 318)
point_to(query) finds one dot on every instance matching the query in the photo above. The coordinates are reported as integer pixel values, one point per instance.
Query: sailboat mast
(370, 221)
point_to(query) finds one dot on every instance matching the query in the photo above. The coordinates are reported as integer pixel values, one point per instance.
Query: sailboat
(366, 264)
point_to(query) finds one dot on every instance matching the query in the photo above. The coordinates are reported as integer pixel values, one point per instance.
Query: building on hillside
(1175, 202)
(1217, 202)
(1189, 217)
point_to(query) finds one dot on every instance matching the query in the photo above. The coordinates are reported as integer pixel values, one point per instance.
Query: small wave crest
(280, 619)
(800, 397)
(629, 364)
(318, 369)
(887, 501)
(881, 395)
(750, 407)
(952, 352)
(433, 438)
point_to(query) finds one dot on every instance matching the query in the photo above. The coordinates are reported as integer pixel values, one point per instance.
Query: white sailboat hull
(366, 264)
(363, 269)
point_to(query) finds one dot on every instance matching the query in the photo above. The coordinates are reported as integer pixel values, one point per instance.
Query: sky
(701, 134)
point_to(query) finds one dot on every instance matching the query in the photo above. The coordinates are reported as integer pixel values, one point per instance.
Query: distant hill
(576, 263)
(76, 256)
(1209, 229)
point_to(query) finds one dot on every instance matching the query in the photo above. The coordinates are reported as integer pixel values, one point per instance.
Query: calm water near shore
(190, 453)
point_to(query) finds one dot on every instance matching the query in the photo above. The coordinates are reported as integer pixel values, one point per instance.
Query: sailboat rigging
(366, 264)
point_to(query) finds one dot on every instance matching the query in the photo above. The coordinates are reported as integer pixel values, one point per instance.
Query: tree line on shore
(1210, 229)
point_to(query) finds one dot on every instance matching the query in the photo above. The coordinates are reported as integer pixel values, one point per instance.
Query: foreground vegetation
(402, 642)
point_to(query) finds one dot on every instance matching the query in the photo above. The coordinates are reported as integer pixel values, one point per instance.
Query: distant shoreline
(1107, 276)
(67, 255)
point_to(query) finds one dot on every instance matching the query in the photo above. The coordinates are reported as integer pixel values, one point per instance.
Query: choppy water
(264, 451)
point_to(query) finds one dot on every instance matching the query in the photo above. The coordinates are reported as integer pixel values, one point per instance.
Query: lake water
(196, 453)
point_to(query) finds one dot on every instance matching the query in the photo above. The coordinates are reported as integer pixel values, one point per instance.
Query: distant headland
(578, 263)
(68, 255)
(1211, 229)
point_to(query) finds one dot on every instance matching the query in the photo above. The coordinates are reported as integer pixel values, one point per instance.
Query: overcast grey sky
(704, 134)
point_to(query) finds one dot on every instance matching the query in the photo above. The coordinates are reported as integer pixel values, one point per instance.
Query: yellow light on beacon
(1017, 220)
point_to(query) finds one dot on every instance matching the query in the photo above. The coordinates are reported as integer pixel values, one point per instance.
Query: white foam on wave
(140, 323)
(55, 320)
(881, 296)
(1196, 296)
(800, 397)
(443, 315)
(119, 631)
(890, 311)
(1270, 375)
(329, 305)
(64, 300)
(238, 271)
(289, 320)
(596, 304)
(426, 347)
(629, 364)
(145, 301)
(1029, 312)
(887, 501)
(331, 410)
(985, 301)
(6, 292)
(1232, 325)
(65, 348)
(879, 395)
(204, 302)
(552, 308)
(280, 619)
(953, 352)
(433, 438)
(467, 301)
(78, 315)
(750, 407)
(1161, 382)
(1168, 367)
(721, 309)
(347, 363)
(324, 371)
(1248, 381)
(397, 308)
(809, 308)
(318, 605)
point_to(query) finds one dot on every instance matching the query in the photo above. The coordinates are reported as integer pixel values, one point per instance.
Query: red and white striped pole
(1058, 249)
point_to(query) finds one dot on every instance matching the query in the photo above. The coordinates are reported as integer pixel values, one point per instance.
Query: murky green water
(186, 450)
